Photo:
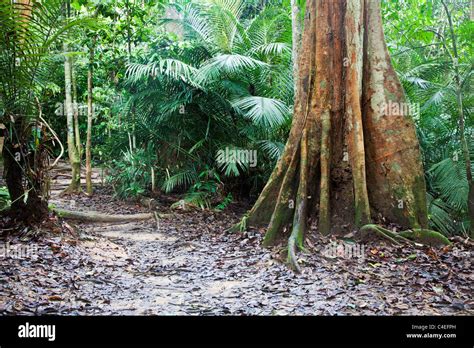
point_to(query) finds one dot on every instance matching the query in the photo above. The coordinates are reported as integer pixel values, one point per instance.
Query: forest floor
(189, 265)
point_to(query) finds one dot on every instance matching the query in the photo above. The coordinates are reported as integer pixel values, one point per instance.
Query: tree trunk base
(350, 157)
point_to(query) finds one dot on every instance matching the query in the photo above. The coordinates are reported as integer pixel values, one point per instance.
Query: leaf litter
(189, 265)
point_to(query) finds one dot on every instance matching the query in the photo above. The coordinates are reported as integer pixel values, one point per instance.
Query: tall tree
(73, 151)
(72, 117)
(352, 156)
(129, 14)
(75, 105)
(90, 116)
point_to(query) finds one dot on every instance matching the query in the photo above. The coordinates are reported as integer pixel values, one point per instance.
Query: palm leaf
(263, 111)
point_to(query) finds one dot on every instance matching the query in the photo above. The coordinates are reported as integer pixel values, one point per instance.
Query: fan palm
(229, 86)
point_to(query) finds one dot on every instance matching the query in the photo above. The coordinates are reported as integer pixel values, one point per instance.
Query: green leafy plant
(130, 176)
(4, 198)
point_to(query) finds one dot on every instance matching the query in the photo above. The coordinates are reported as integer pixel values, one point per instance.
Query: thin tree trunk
(129, 55)
(77, 134)
(90, 116)
(38, 184)
(152, 173)
(74, 159)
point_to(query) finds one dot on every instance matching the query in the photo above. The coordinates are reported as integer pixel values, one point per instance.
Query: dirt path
(189, 265)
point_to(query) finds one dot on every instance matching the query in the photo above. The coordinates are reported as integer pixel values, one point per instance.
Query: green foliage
(422, 56)
(206, 190)
(4, 198)
(25, 52)
(228, 84)
(449, 179)
(261, 110)
(131, 175)
(181, 179)
(226, 201)
(225, 81)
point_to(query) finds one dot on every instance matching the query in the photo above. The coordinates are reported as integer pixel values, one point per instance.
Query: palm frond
(225, 65)
(449, 178)
(274, 149)
(263, 111)
(182, 179)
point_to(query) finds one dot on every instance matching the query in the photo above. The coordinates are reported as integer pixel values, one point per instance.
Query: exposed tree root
(294, 242)
(292, 260)
(93, 216)
(299, 219)
(70, 190)
(383, 232)
(241, 226)
(426, 236)
(423, 236)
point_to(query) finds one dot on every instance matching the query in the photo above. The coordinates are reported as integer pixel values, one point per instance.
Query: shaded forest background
(175, 83)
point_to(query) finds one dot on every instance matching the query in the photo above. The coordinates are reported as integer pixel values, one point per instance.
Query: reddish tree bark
(350, 158)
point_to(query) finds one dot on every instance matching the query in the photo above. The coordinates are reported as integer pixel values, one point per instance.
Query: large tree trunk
(74, 158)
(351, 157)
